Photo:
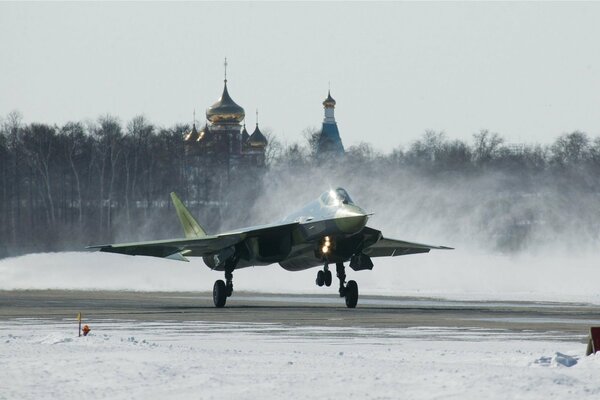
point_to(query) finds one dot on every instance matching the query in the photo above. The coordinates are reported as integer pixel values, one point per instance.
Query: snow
(156, 360)
(461, 274)
(193, 359)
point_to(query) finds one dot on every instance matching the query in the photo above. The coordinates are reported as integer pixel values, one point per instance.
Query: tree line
(63, 187)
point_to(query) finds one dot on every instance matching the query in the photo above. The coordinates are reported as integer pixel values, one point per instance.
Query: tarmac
(567, 320)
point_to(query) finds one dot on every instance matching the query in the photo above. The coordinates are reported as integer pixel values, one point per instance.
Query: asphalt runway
(565, 319)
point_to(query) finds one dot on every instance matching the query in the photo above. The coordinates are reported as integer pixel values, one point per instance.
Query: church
(223, 139)
(222, 157)
(329, 144)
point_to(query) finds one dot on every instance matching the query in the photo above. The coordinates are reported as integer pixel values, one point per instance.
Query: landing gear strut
(349, 290)
(324, 277)
(223, 290)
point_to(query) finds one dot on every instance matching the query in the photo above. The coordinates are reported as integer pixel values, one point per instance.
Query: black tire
(351, 294)
(219, 294)
(328, 278)
(320, 278)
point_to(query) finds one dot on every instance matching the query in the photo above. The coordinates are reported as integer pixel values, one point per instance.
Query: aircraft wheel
(327, 278)
(219, 293)
(320, 278)
(351, 294)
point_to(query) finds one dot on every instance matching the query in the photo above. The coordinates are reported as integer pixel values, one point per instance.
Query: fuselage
(327, 230)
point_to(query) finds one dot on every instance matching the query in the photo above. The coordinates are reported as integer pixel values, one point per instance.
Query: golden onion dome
(225, 110)
(329, 101)
(192, 135)
(245, 135)
(257, 139)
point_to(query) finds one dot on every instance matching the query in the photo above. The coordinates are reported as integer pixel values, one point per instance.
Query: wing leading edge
(178, 249)
(196, 242)
(384, 247)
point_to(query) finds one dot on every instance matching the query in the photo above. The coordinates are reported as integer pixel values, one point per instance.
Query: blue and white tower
(330, 143)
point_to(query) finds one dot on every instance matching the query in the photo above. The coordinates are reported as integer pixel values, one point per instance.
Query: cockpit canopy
(335, 197)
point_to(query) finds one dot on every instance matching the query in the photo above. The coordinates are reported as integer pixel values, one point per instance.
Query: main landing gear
(347, 290)
(223, 290)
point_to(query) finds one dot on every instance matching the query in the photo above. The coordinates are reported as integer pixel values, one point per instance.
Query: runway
(566, 320)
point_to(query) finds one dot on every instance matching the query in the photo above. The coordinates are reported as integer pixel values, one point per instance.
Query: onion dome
(204, 134)
(329, 101)
(192, 135)
(245, 135)
(257, 139)
(225, 110)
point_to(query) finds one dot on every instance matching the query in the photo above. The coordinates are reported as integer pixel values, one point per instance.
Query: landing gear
(219, 294)
(341, 274)
(327, 273)
(223, 290)
(320, 278)
(324, 277)
(349, 290)
(229, 280)
(351, 294)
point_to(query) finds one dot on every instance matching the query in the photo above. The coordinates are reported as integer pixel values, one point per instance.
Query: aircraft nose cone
(351, 219)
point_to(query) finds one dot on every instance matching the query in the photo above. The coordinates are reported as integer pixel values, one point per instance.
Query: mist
(524, 219)
(537, 243)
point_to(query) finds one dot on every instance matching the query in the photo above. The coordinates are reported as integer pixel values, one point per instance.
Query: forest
(65, 187)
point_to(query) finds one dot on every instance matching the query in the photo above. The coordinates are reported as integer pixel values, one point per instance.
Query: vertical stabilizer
(190, 227)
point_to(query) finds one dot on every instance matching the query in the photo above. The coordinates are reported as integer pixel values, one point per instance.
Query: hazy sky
(529, 71)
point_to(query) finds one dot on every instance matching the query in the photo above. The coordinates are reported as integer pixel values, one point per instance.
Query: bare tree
(486, 146)
(109, 136)
(312, 136)
(12, 127)
(571, 149)
(274, 148)
(39, 141)
(74, 149)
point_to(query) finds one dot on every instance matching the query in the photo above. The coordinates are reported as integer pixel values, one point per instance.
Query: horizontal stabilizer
(177, 257)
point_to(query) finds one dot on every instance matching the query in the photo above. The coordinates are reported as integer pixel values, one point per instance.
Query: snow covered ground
(458, 274)
(41, 359)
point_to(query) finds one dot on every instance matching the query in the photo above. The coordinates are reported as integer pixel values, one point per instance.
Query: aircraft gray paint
(329, 230)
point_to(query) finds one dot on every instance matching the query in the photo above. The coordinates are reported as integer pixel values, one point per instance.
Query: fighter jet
(329, 230)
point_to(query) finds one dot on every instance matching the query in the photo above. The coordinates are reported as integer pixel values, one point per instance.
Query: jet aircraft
(329, 230)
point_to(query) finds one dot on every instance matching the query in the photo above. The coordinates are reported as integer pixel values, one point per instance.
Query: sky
(529, 71)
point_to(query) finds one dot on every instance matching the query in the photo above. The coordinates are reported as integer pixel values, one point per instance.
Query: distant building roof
(225, 110)
(257, 139)
(245, 135)
(329, 101)
(330, 141)
(192, 135)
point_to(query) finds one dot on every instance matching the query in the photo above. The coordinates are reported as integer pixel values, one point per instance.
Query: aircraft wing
(392, 248)
(197, 246)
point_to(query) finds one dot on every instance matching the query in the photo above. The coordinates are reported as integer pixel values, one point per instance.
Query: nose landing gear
(324, 277)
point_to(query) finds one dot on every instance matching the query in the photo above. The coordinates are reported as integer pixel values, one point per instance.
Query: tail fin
(190, 227)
